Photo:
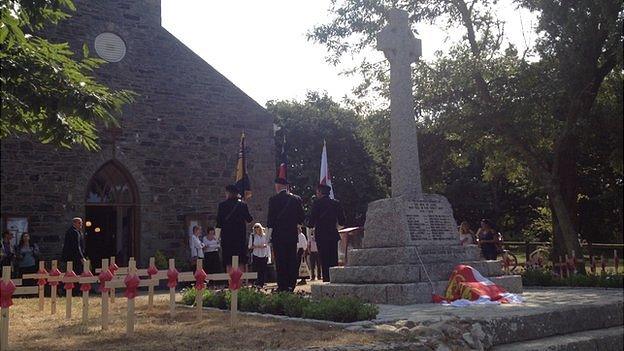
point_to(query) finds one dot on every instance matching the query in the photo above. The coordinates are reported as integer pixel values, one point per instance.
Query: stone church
(163, 170)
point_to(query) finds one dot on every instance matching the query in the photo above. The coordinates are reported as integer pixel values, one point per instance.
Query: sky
(261, 46)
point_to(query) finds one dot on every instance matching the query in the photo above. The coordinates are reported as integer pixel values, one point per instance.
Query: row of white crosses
(110, 278)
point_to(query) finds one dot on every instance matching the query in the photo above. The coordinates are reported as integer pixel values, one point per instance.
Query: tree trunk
(564, 202)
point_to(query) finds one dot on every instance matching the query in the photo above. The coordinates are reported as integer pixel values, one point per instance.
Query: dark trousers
(259, 265)
(212, 262)
(315, 265)
(286, 265)
(328, 251)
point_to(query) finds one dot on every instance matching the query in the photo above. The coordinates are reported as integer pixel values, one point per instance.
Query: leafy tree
(524, 110)
(46, 93)
(306, 124)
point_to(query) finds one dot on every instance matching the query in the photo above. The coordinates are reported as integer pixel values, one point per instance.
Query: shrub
(160, 260)
(188, 296)
(250, 300)
(344, 309)
(218, 299)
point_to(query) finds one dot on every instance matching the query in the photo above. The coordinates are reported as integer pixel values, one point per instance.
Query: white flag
(325, 176)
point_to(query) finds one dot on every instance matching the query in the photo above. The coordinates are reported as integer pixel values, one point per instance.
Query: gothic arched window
(111, 185)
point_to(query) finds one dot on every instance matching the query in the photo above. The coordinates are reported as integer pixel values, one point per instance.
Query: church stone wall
(178, 140)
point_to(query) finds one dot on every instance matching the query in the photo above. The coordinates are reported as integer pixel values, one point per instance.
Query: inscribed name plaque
(403, 222)
(430, 220)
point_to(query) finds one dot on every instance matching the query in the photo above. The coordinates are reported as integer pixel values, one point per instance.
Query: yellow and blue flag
(242, 178)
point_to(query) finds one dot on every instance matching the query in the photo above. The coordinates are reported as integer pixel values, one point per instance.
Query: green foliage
(188, 296)
(524, 118)
(160, 260)
(47, 93)
(344, 309)
(218, 299)
(539, 277)
(354, 172)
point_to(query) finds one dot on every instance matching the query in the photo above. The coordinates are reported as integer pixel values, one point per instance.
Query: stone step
(383, 256)
(407, 273)
(609, 339)
(401, 294)
(557, 320)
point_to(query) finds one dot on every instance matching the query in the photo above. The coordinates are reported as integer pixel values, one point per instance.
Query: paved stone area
(536, 301)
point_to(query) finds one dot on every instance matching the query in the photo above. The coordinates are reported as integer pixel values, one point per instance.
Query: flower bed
(342, 309)
(539, 277)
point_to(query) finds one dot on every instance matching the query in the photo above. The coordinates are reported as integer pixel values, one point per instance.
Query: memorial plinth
(406, 243)
(411, 238)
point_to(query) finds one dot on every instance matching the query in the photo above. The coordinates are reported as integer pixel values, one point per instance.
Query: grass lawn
(155, 330)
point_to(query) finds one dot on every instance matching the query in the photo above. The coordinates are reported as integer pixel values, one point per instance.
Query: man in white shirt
(302, 248)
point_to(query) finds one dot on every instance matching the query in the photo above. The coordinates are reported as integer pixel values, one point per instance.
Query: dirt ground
(155, 330)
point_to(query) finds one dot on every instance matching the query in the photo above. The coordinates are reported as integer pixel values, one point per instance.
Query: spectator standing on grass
(8, 253)
(74, 245)
(27, 255)
(466, 235)
(488, 239)
(212, 261)
(260, 251)
(302, 249)
(313, 257)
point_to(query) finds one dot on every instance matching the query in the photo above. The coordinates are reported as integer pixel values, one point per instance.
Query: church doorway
(111, 215)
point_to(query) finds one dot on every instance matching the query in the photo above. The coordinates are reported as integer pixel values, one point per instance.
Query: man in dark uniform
(74, 246)
(232, 217)
(285, 214)
(326, 214)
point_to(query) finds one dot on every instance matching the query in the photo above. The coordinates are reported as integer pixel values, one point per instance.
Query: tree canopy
(526, 112)
(355, 175)
(47, 92)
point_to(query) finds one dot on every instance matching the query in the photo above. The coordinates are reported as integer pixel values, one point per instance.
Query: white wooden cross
(105, 296)
(4, 315)
(53, 274)
(84, 279)
(119, 283)
(190, 276)
(234, 293)
(39, 276)
(121, 271)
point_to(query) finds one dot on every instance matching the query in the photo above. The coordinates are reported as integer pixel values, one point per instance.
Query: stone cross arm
(397, 41)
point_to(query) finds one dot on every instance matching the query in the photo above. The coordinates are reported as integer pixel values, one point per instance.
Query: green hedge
(538, 277)
(342, 309)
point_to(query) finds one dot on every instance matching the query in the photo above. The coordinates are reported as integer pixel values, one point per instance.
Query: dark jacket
(73, 248)
(326, 213)
(232, 217)
(285, 214)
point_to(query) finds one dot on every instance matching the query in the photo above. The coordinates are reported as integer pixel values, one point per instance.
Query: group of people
(23, 257)
(488, 239)
(282, 241)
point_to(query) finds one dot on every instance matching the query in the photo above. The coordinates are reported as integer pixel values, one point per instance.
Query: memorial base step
(405, 273)
(401, 294)
(381, 256)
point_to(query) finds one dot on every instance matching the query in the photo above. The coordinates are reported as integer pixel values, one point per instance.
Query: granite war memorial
(410, 245)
